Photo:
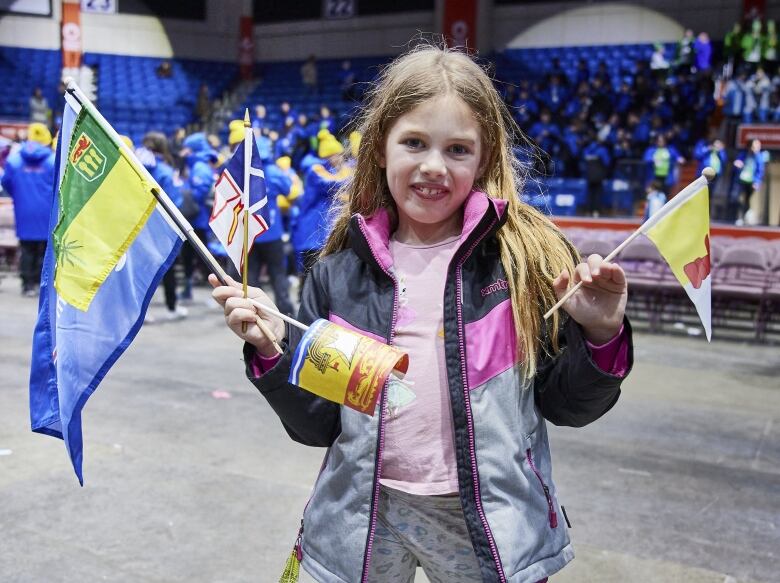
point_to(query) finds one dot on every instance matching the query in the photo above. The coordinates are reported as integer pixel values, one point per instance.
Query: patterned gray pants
(429, 530)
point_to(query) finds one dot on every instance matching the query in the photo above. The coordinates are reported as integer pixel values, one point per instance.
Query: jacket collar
(370, 236)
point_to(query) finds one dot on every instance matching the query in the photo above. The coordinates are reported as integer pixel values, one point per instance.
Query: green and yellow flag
(104, 204)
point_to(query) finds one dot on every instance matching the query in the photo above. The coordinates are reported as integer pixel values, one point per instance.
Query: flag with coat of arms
(240, 187)
(110, 245)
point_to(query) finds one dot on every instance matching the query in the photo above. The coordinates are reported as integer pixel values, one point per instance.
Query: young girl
(434, 253)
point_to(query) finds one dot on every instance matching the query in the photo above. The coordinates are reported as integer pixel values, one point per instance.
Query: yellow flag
(681, 232)
(343, 366)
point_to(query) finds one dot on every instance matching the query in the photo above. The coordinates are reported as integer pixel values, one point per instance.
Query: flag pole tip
(709, 174)
(247, 123)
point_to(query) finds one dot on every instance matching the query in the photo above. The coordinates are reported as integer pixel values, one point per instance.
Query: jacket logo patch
(499, 284)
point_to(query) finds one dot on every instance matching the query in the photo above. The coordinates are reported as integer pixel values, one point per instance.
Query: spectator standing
(703, 53)
(662, 160)
(326, 122)
(597, 162)
(347, 81)
(713, 154)
(770, 48)
(750, 164)
(260, 124)
(732, 47)
(156, 158)
(734, 95)
(29, 180)
(545, 133)
(751, 45)
(555, 95)
(654, 200)
(658, 63)
(526, 108)
(203, 104)
(312, 222)
(582, 74)
(685, 55)
(200, 159)
(309, 75)
(268, 250)
(39, 108)
(761, 88)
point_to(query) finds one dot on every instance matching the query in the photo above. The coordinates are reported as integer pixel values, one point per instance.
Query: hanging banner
(246, 47)
(99, 6)
(71, 35)
(460, 23)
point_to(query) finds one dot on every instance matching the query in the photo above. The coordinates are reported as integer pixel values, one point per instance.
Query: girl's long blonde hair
(533, 250)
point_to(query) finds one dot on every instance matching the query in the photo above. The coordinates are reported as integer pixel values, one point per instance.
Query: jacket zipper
(470, 422)
(297, 546)
(383, 404)
(553, 516)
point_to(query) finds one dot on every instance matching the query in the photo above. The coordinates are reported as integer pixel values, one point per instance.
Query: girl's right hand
(239, 310)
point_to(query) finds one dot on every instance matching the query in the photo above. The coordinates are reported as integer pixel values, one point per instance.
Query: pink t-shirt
(419, 454)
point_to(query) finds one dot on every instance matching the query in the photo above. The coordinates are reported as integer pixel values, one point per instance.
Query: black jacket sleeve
(570, 389)
(307, 418)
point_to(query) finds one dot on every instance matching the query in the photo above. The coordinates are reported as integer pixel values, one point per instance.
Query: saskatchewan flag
(681, 232)
(74, 348)
(104, 203)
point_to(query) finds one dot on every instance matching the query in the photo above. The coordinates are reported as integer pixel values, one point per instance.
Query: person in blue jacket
(662, 160)
(199, 158)
(597, 161)
(545, 133)
(155, 155)
(311, 222)
(29, 181)
(751, 166)
(713, 154)
(311, 158)
(268, 248)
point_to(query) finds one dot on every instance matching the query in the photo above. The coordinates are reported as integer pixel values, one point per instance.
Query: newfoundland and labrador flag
(343, 366)
(681, 232)
(230, 200)
(109, 250)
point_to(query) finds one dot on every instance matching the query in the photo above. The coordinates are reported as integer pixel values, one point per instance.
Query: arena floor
(189, 476)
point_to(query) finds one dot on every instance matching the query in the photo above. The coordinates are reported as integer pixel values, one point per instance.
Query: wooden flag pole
(708, 174)
(245, 199)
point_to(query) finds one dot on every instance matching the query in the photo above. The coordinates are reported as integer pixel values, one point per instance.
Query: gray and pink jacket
(504, 472)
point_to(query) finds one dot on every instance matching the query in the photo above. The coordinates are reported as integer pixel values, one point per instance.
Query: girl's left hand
(598, 306)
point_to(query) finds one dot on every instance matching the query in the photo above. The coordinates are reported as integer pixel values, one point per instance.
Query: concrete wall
(361, 36)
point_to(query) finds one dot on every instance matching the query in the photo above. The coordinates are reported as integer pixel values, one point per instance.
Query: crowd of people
(304, 165)
(658, 113)
(579, 125)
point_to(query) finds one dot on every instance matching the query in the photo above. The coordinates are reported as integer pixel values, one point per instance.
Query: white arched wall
(612, 23)
(630, 21)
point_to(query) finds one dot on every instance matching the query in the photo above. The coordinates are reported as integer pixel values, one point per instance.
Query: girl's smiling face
(432, 156)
